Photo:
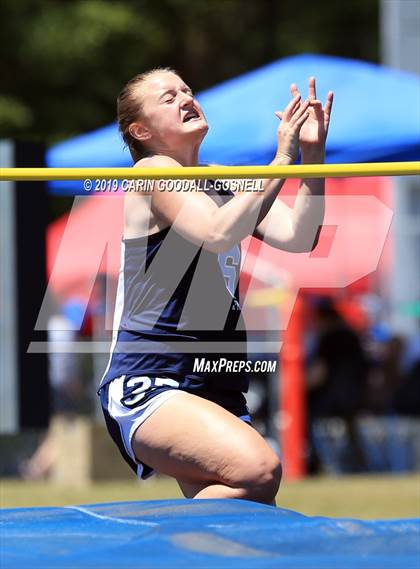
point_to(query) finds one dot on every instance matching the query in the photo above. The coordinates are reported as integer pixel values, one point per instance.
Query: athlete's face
(171, 114)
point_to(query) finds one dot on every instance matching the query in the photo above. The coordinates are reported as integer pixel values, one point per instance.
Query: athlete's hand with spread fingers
(292, 119)
(313, 133)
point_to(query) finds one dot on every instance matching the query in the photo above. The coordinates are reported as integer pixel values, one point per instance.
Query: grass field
(365, 497)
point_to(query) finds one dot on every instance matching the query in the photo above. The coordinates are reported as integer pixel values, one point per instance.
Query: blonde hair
(130, 109)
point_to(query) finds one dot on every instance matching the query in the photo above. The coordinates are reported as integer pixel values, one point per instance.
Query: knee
(267, 479)
(261, 480)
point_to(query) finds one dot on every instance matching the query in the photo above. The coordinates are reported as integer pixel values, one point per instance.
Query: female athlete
(169, 403)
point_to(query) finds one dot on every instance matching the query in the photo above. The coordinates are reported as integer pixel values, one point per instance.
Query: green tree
(64, 62)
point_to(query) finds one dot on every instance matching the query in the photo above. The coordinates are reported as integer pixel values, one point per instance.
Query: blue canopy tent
(376, 117)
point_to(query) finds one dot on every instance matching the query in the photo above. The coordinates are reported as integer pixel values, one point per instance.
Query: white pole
(9, 419)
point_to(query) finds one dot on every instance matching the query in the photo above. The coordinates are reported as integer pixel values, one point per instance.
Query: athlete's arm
(196, 217)
(297, 229)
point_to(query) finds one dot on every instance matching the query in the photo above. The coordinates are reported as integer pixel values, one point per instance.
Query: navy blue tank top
(176, 304)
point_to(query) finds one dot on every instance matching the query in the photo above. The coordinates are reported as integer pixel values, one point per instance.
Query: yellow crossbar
(197, 172)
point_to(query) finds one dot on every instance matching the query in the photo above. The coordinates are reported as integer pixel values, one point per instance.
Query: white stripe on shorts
(130, 419)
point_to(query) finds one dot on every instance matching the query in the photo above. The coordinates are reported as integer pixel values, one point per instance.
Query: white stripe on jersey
(119, 307)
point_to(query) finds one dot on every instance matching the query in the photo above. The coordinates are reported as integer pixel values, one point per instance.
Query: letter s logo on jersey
(229, 264)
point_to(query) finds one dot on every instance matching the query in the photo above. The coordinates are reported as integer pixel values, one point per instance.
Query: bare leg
(213, 491)
(40, 464)
(211, 453)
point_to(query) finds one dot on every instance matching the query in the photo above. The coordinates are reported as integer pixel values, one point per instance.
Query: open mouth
(191, 115)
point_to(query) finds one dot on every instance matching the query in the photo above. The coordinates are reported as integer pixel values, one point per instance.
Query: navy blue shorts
(127, 401)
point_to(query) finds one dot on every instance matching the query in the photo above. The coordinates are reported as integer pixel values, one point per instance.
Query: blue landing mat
(195, 534)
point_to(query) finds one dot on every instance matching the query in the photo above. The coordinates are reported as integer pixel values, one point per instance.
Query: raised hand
(292, 119)
(313, 133)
